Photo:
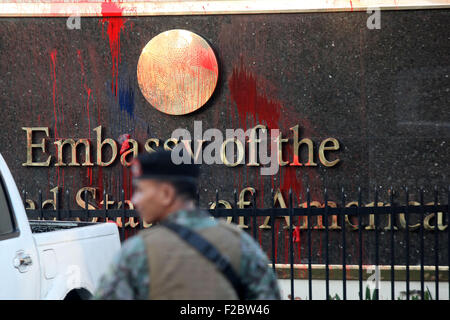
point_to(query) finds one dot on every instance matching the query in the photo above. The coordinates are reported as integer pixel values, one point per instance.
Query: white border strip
(159, 8)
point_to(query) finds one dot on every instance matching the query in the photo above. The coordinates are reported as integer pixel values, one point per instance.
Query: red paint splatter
(124, 140)
(204, 58)
(290, 180)
(296, 234)
(112, 14)
(250, 103)
(248, 95)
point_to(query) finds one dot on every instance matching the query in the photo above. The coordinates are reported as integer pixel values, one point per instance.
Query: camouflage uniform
(128, 276)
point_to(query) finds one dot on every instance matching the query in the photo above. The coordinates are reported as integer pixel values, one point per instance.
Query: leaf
(367, 293)
(428, 295)
(374, 294)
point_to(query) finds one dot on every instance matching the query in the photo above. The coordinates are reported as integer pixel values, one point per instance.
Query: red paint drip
(259, 236)
(290, 181)
(88, 91)
(89, 175)
(124, 140)
(53, 58)
(112, 14)
(299, 242)
(249, 102)
(100, 186)
(127, 183)
(55, 108)
(277, 227)
(320, 248)
(286, 246)
(296, 234)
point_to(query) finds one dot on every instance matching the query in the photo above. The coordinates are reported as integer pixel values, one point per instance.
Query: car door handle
(22, 261)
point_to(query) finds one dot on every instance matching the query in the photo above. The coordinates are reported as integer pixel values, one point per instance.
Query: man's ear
(168, 194)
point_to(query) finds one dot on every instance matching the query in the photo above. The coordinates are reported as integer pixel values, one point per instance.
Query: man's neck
(177, 206)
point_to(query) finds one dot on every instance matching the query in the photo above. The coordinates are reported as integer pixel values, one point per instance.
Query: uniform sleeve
(256, 273)
(128, 276)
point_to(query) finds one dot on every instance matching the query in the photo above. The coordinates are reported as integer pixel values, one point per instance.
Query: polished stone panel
(383, 94)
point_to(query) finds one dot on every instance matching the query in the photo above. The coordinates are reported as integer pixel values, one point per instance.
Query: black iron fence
(392, 243)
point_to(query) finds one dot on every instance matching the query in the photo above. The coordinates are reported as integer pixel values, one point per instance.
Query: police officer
(185, 254)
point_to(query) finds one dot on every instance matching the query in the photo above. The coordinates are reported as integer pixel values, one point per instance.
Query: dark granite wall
(384, 94)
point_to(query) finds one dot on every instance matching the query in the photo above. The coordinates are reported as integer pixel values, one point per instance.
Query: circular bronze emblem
(177, 72)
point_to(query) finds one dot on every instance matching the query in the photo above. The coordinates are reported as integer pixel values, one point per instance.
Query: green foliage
(427, 295)
(372, 296)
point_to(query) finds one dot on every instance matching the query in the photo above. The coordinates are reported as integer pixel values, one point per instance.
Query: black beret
(159, 165)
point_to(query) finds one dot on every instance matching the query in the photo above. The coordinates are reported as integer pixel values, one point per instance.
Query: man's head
(162, 187)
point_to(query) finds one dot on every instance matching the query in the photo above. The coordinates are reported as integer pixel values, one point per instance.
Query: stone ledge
(352, 273)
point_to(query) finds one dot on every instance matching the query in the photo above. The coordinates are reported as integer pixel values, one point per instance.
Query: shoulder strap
(210, 252)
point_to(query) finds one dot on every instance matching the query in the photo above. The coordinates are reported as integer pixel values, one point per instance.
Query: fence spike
(40, 205)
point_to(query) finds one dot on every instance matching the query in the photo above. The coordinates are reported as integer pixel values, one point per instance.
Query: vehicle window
(6, 224)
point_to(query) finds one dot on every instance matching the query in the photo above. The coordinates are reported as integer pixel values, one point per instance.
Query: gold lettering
(280, 141)
(171, 140)
(252, 150)
(100, 145)
(317, 204)
(51, 202)
(334, 219)
(242, 203)
(133, 150)
(226, 204)
(73, 145)
(82, 202)
(371, 225)
(323, 148)
(403, 220)
(304, 219)
(240, 152)
(147, 146)
(297, 144)
(31, 204)
(31, 145)
(388, 227)
(278, 197)
(348, 205)
(130, 221)
(440, 220)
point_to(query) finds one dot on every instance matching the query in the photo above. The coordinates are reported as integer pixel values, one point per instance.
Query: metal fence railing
(349, 234)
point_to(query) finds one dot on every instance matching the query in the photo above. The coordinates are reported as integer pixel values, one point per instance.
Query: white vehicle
(49, 259)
